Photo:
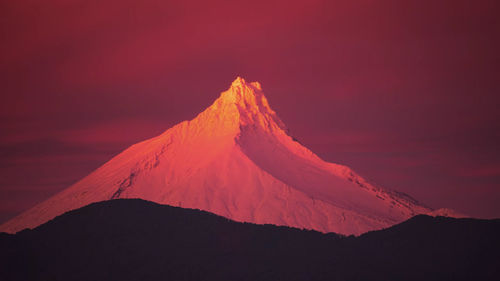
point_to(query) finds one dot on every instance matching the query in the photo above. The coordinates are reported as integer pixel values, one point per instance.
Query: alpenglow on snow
(235, 159)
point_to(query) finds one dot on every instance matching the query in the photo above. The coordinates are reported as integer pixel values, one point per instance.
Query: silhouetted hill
(139, 240)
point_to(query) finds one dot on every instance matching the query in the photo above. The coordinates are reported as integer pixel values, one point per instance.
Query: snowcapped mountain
(237, 160)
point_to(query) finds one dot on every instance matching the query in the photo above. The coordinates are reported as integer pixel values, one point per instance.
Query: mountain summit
(242, 105)
(235, 159)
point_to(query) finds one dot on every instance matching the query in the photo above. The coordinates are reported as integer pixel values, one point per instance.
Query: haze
(405, 93)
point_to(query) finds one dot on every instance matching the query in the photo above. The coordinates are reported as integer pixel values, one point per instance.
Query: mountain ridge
(133, 239)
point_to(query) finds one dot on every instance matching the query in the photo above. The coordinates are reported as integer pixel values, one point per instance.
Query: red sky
(404, 92)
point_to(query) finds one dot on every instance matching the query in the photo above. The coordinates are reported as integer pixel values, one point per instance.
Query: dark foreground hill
(140, 240)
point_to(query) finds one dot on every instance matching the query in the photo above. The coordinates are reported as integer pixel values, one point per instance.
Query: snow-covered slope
(235, 159)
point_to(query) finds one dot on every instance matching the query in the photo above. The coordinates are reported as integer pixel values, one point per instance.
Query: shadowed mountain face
(131, 239)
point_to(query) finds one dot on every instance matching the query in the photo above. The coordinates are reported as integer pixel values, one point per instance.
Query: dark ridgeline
(139, 240)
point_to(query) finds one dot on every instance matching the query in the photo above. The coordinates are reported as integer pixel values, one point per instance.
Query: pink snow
(235, 159)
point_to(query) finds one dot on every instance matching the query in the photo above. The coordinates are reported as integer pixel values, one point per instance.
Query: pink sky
(404, 92)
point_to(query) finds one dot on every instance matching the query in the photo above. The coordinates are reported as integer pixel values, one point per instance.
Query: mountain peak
(245, 103)
(243, 93)
(240, 82)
